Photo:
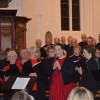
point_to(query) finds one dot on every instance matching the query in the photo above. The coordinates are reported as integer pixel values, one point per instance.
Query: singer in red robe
(61, 71)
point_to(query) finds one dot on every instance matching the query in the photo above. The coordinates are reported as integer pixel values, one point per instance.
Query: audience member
(80, 93)
(22, 95)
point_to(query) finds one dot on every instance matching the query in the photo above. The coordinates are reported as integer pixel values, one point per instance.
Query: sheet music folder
(12, 80)
(96, 74)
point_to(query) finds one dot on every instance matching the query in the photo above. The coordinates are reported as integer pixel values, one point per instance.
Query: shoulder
(80, 43)
(6, 67)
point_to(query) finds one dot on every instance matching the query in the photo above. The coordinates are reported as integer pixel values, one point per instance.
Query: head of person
(94, 42)
(23, 53)
(99, 38)
(63, 40)
(51, 51)
(6, 52)
(33, 53)
(90, 41)
(84, 37)
(12, 56)
(80, 93)
(89, 51)
(47, 41)
(59, 50)
(74, 42)
(69, 40)
(56, 40)
(97, 53)
(38, 43)
(22, 95)
(77, 50)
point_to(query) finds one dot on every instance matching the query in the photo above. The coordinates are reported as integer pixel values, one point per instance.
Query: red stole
(35, 85)
(18, 63)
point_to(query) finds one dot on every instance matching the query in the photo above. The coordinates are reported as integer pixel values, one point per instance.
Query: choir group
(57, 67)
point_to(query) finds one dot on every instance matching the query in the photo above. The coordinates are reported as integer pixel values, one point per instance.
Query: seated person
(22, 95)
(80, 93)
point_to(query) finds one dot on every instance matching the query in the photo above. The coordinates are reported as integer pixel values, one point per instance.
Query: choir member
(50, 51)
(33, 67)
(63, 42)
(83, 42)
(91, 64)
(97, 53)
(48, 42)
(56, 40)
(11, 69)
(98, 44)
(89, 41)
(69, 46)
(70, 51)
(40, 49)
(77, 59)
(94, 42)
(61, 71)
(5, 61)
(24, 58)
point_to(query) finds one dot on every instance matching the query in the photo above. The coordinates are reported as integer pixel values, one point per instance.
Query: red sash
(35, 85)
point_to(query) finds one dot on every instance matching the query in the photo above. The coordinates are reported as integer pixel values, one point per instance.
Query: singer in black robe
(35, 66)
(88, 80)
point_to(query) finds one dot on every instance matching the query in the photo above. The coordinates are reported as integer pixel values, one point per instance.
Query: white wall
(45, 16)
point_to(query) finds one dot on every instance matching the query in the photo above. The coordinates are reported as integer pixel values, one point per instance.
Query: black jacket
(67, 69)
(88, 81)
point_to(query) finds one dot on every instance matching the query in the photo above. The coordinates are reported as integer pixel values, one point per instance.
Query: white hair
(12, 52)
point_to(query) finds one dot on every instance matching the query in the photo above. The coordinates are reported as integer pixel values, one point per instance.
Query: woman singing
(61, 71)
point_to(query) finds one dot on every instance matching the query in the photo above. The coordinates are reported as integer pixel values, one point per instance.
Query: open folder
(20, 83)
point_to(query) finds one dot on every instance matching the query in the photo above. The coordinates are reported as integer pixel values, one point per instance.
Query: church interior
(23, 22)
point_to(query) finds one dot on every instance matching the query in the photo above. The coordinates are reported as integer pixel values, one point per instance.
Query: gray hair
(12, 52)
